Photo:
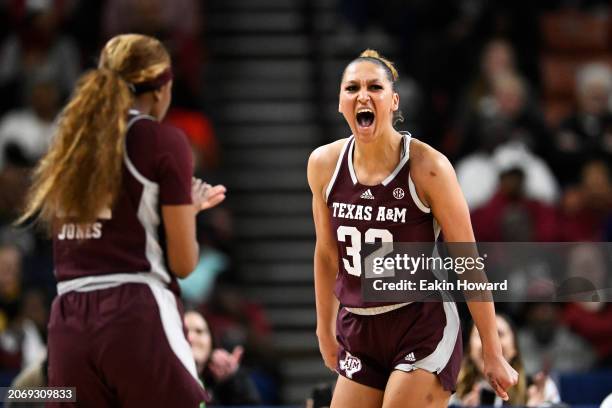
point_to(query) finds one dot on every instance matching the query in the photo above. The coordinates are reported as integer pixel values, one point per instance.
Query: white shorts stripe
(436, 361)
(173, 327)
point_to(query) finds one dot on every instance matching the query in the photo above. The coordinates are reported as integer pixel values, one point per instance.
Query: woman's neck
(143, 105)
(376, 160)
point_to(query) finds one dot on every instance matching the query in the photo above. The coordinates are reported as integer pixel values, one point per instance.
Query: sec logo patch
(398, 193)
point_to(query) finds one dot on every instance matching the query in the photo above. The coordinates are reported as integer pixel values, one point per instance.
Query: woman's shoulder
(154, 134)
(322, 161)
(426, 161)
(329, 152)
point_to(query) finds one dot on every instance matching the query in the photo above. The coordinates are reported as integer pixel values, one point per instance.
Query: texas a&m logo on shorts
(350, 365)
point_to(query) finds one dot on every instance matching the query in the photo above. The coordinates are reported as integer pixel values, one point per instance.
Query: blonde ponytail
(81, 173)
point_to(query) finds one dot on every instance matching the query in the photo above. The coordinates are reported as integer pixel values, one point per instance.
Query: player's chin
(365, 135)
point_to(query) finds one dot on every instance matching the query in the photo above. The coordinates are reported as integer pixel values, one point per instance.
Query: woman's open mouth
(365, 118)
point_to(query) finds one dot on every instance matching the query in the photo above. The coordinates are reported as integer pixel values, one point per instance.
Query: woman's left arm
(437, 186)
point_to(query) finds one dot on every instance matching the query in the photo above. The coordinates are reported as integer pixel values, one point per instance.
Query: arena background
(491, 84)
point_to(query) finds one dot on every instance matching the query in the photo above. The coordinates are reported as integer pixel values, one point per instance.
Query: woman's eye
(351, 88)
(376, 87)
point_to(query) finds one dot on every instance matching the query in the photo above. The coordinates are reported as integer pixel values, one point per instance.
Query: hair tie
(152, 84)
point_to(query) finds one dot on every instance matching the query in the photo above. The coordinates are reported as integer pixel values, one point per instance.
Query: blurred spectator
(32, 376)
(36, 50)
(25, 135)
(31, 128)
(199, 129)
(10, 284)
(511, 216)
(180, 17)
(587, 133)
(20, 342)
(225, 381)
(497, 59)
(590, 319)
(505, 115)
(196, 288)
(548, 345)
(473, 389)
(236, 321)
(321, 396)
(178, 25)
(586, 207)
(479, 174)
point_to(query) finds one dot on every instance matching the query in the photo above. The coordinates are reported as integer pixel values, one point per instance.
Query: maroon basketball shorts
(419, 335)
(122, 347)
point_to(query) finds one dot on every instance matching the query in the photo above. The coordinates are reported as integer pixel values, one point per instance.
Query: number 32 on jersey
(372, 235)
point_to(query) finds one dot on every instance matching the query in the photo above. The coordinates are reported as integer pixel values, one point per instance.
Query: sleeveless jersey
(129, 238)
(387, 212)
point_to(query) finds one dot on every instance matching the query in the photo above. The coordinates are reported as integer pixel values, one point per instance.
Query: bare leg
(349, 394)
(418, 389)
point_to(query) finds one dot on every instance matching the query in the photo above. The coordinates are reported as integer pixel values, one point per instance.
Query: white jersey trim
(147, 212)
(332, 181)
(406, 147)
(415, 196)
(402, 163)
(438, 359)
(126, 159)
(350, 162)
(150, 220)
(412, 188)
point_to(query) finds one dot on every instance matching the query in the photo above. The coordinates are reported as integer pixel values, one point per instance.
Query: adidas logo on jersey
(410, 357)
(367, 195)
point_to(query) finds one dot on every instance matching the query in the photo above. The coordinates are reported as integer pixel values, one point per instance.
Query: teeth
(365, 110)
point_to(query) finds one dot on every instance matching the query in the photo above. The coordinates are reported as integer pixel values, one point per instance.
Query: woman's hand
(204, 195)
(536, 393)
(328, 346)
(224, 364)
(499, 373)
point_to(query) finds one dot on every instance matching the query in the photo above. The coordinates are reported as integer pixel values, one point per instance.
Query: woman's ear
(157, 94)
(395, 104)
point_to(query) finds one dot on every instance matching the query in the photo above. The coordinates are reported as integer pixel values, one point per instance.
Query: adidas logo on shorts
(410, 357)
(367, 195)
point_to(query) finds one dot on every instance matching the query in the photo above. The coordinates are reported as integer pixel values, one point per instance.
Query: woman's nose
(363, 95)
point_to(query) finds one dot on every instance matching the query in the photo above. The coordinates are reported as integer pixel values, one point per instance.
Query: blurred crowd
(524, 113)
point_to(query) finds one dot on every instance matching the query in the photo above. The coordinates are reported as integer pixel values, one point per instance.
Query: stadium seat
(587, 388)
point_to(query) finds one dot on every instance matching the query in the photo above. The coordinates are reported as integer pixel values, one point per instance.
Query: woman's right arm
(320, 169)
(180, 226)
(181, 244)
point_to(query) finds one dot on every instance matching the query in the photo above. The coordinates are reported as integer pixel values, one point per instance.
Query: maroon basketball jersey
(129, 238)
(388, 212)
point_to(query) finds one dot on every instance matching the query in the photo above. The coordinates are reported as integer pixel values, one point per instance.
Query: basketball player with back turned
(116, 192)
